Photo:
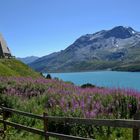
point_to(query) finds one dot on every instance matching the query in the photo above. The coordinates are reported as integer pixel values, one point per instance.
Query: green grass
(132, 67)
(13, 67)
(83, 66)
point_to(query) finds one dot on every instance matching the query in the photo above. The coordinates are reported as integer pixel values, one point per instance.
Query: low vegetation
(58, 98)
(13, 67)
(135, 67)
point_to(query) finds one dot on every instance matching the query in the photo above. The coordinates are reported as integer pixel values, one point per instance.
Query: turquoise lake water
(103, 78)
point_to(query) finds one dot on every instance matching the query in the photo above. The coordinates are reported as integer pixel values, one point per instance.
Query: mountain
(28, 59)
(114, 49)
(13, 67)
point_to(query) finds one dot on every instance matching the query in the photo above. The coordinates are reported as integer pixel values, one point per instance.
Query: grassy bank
(13, 67)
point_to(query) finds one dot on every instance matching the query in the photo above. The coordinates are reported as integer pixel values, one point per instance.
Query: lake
(103, 78)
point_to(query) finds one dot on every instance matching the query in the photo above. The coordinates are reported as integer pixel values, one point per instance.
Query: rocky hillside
(28, 59)
(115, 49)
(13, 67)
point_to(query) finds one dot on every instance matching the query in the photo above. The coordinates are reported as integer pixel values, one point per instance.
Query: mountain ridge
(106, 49)
(28, 59)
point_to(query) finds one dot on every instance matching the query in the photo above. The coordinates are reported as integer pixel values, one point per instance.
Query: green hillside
(13, 67)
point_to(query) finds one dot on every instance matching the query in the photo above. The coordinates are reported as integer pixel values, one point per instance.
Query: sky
(41, 27)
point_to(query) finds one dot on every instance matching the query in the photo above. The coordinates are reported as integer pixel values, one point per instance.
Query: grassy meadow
(13, 67)
(59, 98)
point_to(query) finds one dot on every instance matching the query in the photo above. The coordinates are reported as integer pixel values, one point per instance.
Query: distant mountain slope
(13, 67)
(116, 49)
(28, 59)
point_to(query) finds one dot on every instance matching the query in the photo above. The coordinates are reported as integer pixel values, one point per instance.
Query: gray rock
(106, 49)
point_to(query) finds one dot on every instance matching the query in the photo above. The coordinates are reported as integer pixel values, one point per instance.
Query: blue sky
(40, 27)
